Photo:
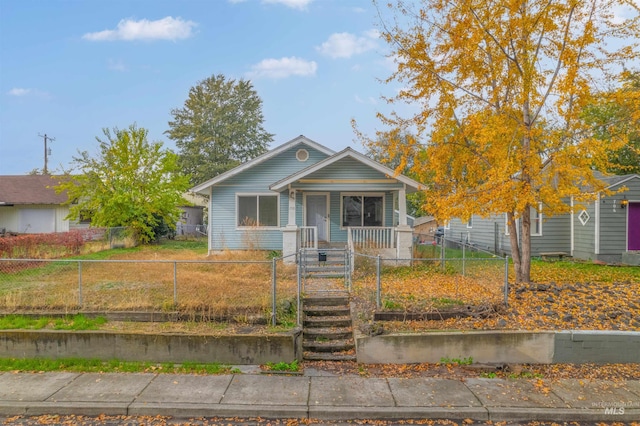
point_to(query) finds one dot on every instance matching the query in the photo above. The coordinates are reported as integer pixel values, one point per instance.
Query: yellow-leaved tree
(501, 86)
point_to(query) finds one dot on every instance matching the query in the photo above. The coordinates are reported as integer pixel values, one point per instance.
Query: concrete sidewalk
(317, 396)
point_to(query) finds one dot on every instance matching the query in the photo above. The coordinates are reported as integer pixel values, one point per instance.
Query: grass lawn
(233, 285)
(237, 286)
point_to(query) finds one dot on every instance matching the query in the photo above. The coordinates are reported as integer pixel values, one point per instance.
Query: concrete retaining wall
(482, 346)
(601, 347)
(236, 349)
(514, 347)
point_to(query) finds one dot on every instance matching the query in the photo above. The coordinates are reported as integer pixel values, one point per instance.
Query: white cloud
(23, 92)
(19, 91)
(116, 65)
(370, 100)
(282, 68)
(345, 45)
(294, 4)
(168, 28)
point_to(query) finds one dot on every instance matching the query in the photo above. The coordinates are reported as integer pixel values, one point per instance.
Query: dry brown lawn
(233, 285)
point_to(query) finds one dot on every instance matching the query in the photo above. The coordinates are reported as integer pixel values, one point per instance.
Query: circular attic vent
(302, 155)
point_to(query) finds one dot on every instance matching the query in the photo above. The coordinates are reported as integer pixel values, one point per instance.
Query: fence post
(79, 283)
(378, 283)
(175, 283)
(273, 294)
(506, 281)
(464, 246)
(299, 272)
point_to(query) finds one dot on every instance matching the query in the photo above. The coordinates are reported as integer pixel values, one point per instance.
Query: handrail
(308, 237)
(377, 237)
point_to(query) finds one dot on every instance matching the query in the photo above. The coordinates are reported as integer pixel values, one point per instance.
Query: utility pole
(47, 151)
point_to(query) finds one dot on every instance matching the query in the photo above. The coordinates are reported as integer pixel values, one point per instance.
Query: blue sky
(70, 68)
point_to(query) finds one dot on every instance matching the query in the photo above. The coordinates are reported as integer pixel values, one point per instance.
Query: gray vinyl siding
(224, 233)
(613, 223)
(584, 245)
(556, 234)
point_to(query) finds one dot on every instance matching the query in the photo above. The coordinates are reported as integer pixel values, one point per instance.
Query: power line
(47, 151)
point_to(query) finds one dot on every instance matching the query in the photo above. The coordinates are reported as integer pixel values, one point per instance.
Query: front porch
(362, 221)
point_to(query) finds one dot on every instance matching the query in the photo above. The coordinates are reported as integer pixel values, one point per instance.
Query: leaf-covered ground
(564, 296)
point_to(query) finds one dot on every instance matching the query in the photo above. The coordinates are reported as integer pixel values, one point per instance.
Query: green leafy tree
(385, 153)
(219, 127)
(614, 113)
(130, 182)
(498, 89)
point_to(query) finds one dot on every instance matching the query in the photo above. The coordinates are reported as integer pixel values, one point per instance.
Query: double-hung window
(257, 210)
(362, 210)
(536, 222)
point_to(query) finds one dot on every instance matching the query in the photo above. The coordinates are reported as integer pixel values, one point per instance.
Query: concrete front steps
(327, 328)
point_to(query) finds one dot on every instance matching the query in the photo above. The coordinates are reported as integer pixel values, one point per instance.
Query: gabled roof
(260, 159)
(29, 189)
(617, 180)
(345, 153)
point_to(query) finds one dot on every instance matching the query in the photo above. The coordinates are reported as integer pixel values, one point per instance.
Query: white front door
(316, 215)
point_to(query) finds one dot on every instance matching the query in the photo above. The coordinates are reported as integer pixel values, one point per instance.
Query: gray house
(606, 230)
(303, 194)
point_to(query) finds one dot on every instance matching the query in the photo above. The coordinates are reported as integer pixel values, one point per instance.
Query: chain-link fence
(238, 290)
(442, 276)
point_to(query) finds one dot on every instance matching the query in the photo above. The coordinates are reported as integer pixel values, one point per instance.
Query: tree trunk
(525, 247)
(515, 246)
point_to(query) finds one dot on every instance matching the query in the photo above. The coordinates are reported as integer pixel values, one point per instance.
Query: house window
(470, 222)
(536, 221)
(362, 210)
(257, 210)
(584, 217)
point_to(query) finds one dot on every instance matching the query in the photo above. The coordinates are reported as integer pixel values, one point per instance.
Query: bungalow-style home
(606, 230)
(30, 205)
(304, 195)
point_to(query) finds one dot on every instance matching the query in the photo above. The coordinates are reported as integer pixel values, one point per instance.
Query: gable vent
(302, 155)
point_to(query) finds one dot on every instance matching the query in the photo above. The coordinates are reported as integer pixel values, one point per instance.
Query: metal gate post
(79, 283)
(273, 294)
(378, 283)
(506, 281)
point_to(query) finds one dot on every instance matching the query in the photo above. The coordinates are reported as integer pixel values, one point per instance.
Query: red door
(633, 227)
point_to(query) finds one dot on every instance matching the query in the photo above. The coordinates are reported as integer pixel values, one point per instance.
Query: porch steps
(323, 263)
(327, 328)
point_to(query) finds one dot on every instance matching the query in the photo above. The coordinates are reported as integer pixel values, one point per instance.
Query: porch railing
(375, 237)
(308, 237)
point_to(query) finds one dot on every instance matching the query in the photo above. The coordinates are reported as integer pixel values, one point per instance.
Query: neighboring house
(191, 220)
(30, 205)
(424, 228)
(303, 194)
(606, 230)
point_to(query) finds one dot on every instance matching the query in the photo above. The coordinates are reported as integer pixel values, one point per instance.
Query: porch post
(402, 206)
(404, 234)
(290, 232)
(292, 207)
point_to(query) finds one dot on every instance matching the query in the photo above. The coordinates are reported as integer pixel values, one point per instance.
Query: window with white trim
(257, 210)
(536, 222)
(362, 210)
(470, 222)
